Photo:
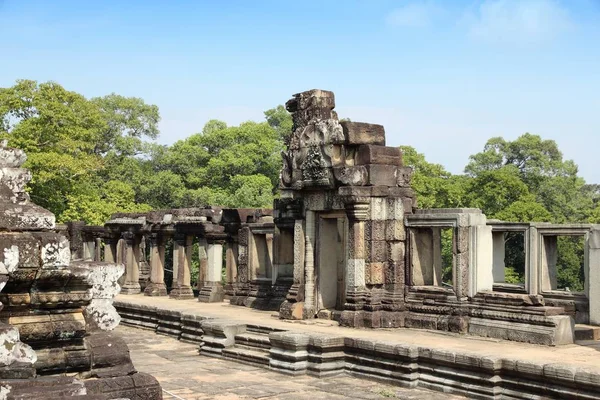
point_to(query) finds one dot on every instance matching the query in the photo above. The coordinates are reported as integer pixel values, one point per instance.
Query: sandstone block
(363, 133)
(382, 175)
(375, 154)
(351, 176)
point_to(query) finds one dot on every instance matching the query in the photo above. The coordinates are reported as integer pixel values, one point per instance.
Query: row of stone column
(211, 263)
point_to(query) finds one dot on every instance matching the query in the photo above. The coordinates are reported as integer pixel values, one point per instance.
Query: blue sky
(442, 76)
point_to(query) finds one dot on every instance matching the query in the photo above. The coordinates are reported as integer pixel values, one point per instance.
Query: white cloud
(414, 15)
(518, 21)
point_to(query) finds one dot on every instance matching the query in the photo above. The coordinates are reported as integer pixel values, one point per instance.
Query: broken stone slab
(363, 133)
(25, 217)
(219, 335)
(558, 331)
(374, 154)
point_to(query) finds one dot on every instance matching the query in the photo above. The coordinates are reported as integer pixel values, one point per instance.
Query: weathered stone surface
(362, 133)
(374, 154)
(351, 176)
(25, 217)
(46, 297)
(12, 350)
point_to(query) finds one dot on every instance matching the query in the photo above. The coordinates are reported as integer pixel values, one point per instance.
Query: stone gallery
(345, 242)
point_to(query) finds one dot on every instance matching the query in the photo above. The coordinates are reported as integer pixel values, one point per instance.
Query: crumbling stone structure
(363, 254)
(345, 241)
(57, 316)
(344, 195)
(129, 230)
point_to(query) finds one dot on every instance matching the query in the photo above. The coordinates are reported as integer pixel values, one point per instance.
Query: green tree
(68, 140)
(540, 165)
(435, 187)
(280, 120)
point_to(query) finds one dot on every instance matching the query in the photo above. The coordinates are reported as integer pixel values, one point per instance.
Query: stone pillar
(157, 286)
(203, 262)
(355, 273)
(437, 256)
(212, 291)
(97, 253)
(293, 306)
(269, 273)
(231, 261)
(309, 265)
(499, 250)
(549, 259)
(482, 260)
(132, 273)
(532, 260)
(592, 278)
(110, 249)
(182, 251)
(143, 264)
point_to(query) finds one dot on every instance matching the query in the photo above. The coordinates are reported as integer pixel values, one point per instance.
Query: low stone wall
(318, 354)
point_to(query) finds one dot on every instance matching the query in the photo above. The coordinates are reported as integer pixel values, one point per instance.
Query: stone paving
(184, 374)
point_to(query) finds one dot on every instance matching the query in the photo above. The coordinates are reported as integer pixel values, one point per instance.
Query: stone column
(592, 276)
(132, 273)
(269, 273)
(212, 291)
(355, 274)
(231, 261)
(203, 262)
(437, 256)
(293, 306)
(110, 249)
(309, 265)
(157, 286)
(97, 253)
(182, 251)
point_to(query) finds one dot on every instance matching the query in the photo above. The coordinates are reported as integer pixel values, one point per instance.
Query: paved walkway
(184, 374)
(575, 354)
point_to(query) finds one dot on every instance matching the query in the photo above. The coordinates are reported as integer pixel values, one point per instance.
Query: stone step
(587, 332)
(255, 340)
(265, 330)
(247, 355)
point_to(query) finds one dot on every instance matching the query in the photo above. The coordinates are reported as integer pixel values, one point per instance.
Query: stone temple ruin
(57, 314)
(345, 241)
